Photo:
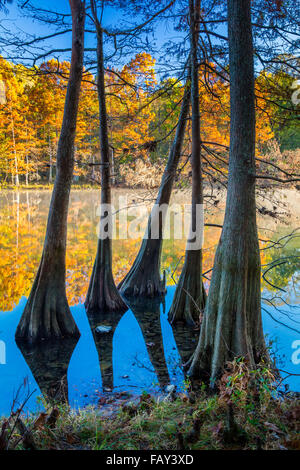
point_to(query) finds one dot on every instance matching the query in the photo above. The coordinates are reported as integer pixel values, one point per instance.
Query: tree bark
(103, 295)
(47, 314)
(189, 299)
(144, 279)
(232, 325)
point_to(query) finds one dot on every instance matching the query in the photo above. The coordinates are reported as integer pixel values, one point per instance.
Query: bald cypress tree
(103, 295)
(190, 296)
(144, 277)
(47, 314)
(232, 325)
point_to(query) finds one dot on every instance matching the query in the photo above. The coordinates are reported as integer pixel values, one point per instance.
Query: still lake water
(142, 351)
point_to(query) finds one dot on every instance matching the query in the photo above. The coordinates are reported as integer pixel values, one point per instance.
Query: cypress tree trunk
(190, 296)
(144, 279)
(103, 295)
(47, 314)
(232, 325)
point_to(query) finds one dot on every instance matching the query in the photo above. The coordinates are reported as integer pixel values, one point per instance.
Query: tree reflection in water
(49, 362)
(104, 344)
(147, 314)
(145, 353)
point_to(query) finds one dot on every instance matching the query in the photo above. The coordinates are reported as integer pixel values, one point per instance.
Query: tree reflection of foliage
(19, 257)
(23, 219)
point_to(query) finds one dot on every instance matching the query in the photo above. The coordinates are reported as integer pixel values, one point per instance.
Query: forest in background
(142, 118)
(224, 112)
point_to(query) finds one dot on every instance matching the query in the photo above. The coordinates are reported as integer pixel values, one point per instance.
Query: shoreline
(174, 422)
(86, 186)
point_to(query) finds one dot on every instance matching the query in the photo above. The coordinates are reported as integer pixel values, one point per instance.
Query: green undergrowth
(246, 413)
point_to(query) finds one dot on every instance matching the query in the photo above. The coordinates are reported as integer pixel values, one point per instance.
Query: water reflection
(186, 340)
(141, 351)
(103, 329)
(23, 217)
(132, 351)
(147, 314)
(49, 363)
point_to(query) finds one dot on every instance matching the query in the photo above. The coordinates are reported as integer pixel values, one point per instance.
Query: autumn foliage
(142, 117)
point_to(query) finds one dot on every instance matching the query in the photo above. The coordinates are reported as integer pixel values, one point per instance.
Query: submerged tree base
(143, 280)
(47, 314)
(190, 296)
(232, 324)
(103, 295)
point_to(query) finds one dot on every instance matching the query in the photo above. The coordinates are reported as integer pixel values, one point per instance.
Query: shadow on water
(131, 352)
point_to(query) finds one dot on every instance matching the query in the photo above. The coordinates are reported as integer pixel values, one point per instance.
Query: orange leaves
(215, 109)
(128, 112)
(138, 114)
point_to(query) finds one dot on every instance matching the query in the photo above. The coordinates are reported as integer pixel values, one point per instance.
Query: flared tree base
(143, 279)
(190, 296)
(103, 295)
(146, 285)
(105, 300)
(232, 324)
(47, 314)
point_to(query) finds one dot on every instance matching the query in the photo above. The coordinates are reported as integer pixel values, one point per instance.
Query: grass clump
(246, 412)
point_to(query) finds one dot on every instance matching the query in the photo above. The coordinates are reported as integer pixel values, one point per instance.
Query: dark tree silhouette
(104, 344)
(47, 314)
(186, 340)
(232, 325)
(3, 3)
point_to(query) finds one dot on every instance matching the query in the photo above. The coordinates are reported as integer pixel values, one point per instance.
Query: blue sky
(16, 21)
(163, 32)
